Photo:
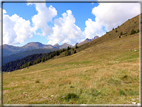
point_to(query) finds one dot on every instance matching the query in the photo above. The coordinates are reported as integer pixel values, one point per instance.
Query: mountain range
(12, 53)
(9, 49)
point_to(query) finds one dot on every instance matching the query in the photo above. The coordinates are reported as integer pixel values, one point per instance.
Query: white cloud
(15, 29)
(65, 30)
(108, 15)
(43, 16)
(111, 15)
(93, 28)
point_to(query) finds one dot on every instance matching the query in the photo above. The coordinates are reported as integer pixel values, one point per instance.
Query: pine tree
(43, 59)
(76, 46)
(29, 63)
(74, 51)
(68, 48)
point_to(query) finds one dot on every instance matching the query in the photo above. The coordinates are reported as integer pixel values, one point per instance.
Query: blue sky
(81, 11)
(51, 23)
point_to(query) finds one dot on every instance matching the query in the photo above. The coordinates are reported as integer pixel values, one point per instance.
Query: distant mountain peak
(86, 39)
(95, 37)
(65, 44)
(56, 45)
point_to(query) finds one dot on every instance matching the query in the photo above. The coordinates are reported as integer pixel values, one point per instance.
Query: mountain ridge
(10, 49)
(87, 40)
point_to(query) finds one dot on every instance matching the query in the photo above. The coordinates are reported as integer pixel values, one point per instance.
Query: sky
(51, 23)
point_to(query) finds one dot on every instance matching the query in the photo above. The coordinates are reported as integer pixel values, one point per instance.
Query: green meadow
(103, 71)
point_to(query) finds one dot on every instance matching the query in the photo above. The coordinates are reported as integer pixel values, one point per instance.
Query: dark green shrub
(76, 46)
(124, 77)
(68, 48)
(71, 86)
(67, 53)
(74, 51)
(57, 53)
(122, 92)
(37, 81)
(63, 50)
(132, 32)
(71, 96)
(119, 36)
(24, 66)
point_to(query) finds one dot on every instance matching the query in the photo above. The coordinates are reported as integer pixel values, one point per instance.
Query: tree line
(36, 58)
(68, 51)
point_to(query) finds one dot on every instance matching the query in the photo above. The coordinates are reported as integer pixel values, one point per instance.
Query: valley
(102, 71)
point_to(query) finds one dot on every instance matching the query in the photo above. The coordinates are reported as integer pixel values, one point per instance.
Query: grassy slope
(105, 71)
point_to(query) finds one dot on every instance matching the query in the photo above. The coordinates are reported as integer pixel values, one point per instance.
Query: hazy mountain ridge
(87, 40)
(26, 53)
(9, 49)
(32, 48)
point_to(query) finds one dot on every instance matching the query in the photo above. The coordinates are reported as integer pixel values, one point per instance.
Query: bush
(63, 50)
(121, 33)
(74, 51)
(24, 66)
(67, 53)
(119, 36)
(122, 92)
(71, 96)
(132, 32)
(71, 86)
(57, 53)
(68, 48)
(37, 81)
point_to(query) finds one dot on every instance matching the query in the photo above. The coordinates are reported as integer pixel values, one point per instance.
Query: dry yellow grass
(104, 71)
(110, 68)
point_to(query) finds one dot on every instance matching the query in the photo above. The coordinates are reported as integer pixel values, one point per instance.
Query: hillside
(103, 71)
(21, 55)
